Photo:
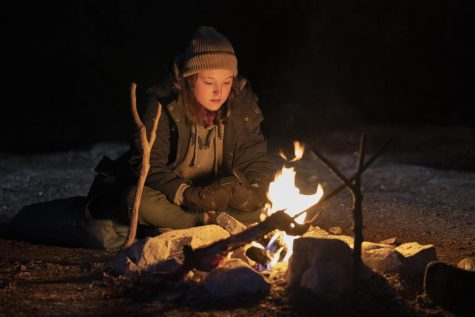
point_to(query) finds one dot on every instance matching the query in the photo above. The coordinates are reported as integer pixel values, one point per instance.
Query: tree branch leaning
(146, 145)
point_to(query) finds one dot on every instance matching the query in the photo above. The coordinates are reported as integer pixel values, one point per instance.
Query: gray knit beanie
(209, 49)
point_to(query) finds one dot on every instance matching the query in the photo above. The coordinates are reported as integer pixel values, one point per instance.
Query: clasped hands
(226, 192)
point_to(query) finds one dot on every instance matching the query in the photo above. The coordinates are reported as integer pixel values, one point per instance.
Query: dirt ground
(421, 190)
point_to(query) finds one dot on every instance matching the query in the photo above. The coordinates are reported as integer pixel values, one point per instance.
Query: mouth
(216, 100)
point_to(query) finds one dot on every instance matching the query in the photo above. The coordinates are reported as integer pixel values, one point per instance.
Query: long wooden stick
(354, 185)
(357, 213)
(146, 149)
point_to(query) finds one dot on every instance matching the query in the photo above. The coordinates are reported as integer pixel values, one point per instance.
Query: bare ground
(421, 190)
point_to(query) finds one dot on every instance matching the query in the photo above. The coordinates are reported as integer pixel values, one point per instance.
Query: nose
(217, 90)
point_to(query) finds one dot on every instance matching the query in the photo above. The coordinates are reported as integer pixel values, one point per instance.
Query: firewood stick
(313, 209)
(332, 168)
(357, 212)
(208, 257)
(146, 146)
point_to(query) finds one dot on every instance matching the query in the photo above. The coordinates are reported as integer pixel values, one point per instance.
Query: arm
(251, 157)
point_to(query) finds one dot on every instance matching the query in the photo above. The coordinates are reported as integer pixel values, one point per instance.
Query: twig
(357, 212)
(146, 148)
(331, 167)
(341, 187)
(354, 185)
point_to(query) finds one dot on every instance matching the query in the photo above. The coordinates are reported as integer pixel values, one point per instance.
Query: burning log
(207, 258)
(146, 145)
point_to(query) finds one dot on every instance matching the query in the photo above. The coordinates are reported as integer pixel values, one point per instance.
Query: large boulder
(322, 266)
(450, 286)
(328, 279)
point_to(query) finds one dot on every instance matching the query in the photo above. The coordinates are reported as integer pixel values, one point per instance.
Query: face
(212, 88)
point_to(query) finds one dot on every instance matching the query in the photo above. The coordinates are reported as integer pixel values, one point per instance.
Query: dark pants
(156, 210)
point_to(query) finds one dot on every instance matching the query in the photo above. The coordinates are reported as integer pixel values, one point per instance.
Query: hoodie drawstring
(194, 162)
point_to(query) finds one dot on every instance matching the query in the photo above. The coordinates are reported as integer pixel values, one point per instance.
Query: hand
(246, 197)
(211, 197)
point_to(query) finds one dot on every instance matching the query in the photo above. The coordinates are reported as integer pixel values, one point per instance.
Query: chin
(213, 107)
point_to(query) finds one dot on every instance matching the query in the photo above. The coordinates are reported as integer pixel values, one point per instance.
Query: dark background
(315, 65)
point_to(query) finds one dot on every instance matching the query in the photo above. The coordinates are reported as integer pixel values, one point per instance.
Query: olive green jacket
(244, 145)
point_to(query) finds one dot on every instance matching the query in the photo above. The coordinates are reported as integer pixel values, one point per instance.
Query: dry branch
(146, 146)
(313, 209)
(357, 212)
(354, 185)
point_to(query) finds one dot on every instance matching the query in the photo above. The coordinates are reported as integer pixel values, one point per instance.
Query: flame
(299, 149)
(284, 195)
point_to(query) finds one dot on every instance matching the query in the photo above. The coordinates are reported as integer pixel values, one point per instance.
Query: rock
(368, 246)
(416, 256)
(321, 265)
(467, 264)
(316, 232)
(347, 239)
(391, 241)
(235, 278)
(327, 279)
(123, 265)
(450, 286)
(146, 254)
(335, 230)
(382, 260)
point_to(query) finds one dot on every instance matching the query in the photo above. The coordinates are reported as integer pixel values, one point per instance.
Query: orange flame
(299, 149)
(284, 195)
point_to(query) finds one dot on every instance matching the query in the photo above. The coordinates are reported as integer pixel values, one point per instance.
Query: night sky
(315, 65)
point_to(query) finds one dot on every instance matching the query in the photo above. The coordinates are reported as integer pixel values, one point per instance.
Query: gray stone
(347, 239)
(310, 251)
(449, 286)
(382, 259)
(391, 241)
(315, 232)
(327, 279)
(467, 264)
(368, 246)
(335, 230)
(235, 278)
(146, 254)
(416, 256)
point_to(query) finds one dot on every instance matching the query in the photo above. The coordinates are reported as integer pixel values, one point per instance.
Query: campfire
(286, 219)
(284, 195)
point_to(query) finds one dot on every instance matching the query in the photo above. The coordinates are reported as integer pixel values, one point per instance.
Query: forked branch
(146, 146)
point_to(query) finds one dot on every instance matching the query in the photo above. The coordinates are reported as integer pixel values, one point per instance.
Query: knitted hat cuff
(210, 60)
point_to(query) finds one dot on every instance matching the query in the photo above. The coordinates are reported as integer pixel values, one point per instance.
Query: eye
(228, 83)
(208, 83)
